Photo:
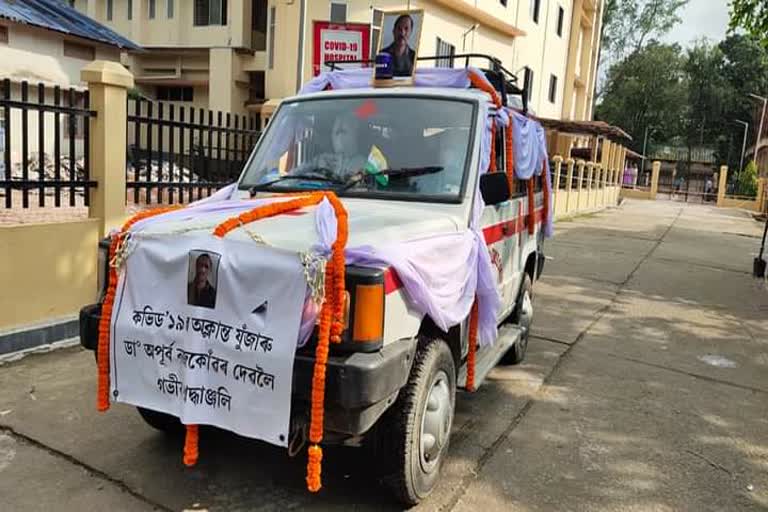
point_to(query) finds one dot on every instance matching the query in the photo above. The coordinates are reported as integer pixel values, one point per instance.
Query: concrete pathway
(645, 388)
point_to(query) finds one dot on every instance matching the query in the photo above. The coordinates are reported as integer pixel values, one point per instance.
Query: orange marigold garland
(102, 348)
(482, 84)
(510, 158)
(472, 348)
(191, 440)
(331, 313)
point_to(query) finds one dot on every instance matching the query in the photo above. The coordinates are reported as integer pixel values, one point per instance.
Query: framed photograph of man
(400, 37)
(202, 278)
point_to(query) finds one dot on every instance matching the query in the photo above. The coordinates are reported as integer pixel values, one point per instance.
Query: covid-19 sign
(340, 42)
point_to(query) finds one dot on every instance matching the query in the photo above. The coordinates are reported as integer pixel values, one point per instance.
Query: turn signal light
(368, 313)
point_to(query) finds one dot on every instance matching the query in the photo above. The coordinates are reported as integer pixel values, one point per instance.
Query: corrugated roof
(586, 128)
(59, 16)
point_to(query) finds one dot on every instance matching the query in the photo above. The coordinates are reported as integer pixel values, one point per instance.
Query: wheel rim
(526, 317)
(435, 422)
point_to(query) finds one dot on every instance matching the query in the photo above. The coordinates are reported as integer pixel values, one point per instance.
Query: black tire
(412, 473)
(161, 421)
(516, 353)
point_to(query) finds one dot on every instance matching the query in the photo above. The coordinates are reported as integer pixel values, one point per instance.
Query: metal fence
(42, 144)
(178, 154)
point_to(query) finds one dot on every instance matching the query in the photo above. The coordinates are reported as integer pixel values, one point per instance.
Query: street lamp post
(744, 142)
(645, 142)
(762, 119)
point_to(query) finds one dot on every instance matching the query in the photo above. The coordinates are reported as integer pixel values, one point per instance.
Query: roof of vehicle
(446, 92)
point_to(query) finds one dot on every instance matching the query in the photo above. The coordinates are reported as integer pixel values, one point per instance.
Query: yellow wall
(49, 268)
(747, 204)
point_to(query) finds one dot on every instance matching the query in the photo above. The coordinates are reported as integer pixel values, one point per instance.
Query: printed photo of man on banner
(400, 37)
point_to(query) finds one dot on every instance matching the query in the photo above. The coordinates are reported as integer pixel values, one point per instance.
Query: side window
(521, 188)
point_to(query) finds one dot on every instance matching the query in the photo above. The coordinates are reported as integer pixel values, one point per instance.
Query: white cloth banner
(206, 329)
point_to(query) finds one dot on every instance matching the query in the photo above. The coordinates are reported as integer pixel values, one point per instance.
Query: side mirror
(494, 187)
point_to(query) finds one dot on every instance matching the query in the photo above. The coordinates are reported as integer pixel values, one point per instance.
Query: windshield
(387, 145)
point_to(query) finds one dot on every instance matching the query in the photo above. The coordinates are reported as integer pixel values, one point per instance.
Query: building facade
(245, 55)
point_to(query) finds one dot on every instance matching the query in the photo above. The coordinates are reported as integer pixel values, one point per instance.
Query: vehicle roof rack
(503, 80)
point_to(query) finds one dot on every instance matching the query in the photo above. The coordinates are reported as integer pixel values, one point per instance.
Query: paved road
(645, 389)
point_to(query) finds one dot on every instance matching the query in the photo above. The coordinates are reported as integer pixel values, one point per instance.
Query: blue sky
(701, 18)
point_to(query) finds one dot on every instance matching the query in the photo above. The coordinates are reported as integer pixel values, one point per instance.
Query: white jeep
(392, 380)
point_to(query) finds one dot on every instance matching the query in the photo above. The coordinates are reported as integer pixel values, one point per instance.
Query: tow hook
(297, 439)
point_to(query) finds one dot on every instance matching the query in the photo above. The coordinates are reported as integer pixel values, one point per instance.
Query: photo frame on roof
(400, 38)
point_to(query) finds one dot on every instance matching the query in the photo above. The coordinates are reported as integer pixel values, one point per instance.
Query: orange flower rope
(531, 205)
(510, 158)
(191, 440)
(472, 349)
(102, 348)
(482, 84)
(331, 313)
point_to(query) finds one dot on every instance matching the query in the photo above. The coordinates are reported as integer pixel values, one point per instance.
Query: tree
(752, 16)
(647, 89)
(629, 25)
(746, 181)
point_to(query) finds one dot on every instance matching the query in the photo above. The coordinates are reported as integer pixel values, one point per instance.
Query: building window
(338, 11)
(109, 10)
(552, 88)
(170, 9)
(72, 3)
(272, 27)
(210, 12)
(259, 25)
(152, 8)
(256, 89)
(376, 21)
(79, 51)
(130, 9)
(535, 8)
(446, 51)
(528, 83)
(166, 93)
(503, 2)
(560, 17)
(3, 34)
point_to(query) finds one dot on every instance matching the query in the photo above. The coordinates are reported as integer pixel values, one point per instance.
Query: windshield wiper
(308, 177)
(403, 172)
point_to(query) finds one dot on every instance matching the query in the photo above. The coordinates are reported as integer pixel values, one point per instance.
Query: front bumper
(359, 386)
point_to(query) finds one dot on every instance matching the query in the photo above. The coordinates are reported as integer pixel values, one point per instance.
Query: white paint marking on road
(718, 361)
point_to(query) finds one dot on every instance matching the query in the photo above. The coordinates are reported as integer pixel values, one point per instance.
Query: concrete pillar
(593, 147)
(580, 192)
(108, 83)
(556, 181)
(723, 183)
(227, 84)
(655, 169)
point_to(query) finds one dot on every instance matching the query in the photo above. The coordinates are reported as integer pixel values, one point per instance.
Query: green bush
(746, 184)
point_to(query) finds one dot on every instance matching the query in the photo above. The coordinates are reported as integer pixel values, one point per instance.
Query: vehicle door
(502, 226)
